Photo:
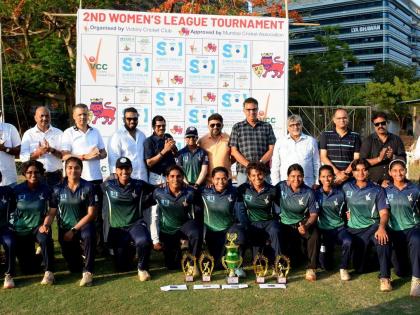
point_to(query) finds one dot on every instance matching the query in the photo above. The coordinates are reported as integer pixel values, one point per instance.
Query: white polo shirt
(122, 144)
(78, 143)
(11, 139)
(31, 140)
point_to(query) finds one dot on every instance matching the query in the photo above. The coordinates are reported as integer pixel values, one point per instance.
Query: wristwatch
(7, 150)
(74, 230)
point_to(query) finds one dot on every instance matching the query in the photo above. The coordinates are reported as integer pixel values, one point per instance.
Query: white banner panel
(181, 66)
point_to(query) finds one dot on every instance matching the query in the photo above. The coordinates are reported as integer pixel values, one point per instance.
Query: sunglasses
(215, 125)
(381, 123)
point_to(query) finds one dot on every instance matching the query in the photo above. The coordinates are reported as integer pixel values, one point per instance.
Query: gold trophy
(232, 259)
(282, 268)
(188, 264)
(260, 264)
(206, 264)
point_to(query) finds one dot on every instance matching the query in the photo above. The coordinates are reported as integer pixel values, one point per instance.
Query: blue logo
(235, 51)
(200, 66)
(172, 49)
(229, 99)
(138, 63)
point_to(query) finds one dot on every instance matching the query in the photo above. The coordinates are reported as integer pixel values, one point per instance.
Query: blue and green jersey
(191, 162)
(331, 208)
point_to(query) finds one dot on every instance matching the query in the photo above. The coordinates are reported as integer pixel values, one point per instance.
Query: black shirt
(372, 146)
(152, 146)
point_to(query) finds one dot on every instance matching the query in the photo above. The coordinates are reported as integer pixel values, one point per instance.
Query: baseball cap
(123, 162)
(191, 132)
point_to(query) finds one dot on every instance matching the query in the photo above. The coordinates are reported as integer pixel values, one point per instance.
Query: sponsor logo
(93, 63)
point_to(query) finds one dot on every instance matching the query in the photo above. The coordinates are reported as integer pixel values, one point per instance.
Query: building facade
(376, 31)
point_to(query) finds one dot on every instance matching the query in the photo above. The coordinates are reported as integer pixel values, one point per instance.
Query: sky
(417, 2)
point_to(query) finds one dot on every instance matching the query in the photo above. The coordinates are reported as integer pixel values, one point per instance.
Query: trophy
(206, 264)
(188, 264)
(282, 268)
(232, 260)
(260, 264)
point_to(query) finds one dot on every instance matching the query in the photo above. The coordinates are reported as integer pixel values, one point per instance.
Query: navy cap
(123, 162)
(191, 132)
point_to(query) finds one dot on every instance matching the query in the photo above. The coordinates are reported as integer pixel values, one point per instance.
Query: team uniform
(31, 209)
(364, 205)
(222, 214)
(7, 240)
(178, 217)
(191, 162)
(332, 207)
(124, 221)
(295, 208)
(405, 228)
(71, 208)
(262, 219)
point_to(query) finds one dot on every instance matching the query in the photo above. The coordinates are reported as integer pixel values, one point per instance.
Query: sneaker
(310, 275)
(415, 286)
(87, 279)
(38, 250)
(144, 275)
(8, 282)
(196, 272)
(240, 272)
(48, 278)
(385, 285)
(184, 245)
(344, 275)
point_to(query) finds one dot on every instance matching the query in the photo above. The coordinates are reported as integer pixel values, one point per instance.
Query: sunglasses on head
(215, 125)
(381, 123)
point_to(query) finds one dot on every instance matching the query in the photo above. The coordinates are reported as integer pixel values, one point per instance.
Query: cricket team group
(292, 196)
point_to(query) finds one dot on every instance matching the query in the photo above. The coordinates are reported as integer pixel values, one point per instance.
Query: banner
(181, 66)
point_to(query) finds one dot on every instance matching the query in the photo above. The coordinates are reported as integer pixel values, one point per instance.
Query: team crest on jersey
(230, 199)
(336, 202)
(3, 200)
(114, 194)
(247, 197)
(82, 196)
(390, 196)
(185, 158)
(367, 197)
(410, 197)
(210, 198)
(283, 194)
(267, 200)
(41, 196)
(21, 197)
(63, 196)
(301, 202)
(134, 195)
(349, 194)
(185, 203)
(164, 202)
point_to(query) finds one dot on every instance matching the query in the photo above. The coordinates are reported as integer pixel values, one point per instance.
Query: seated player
(223, 214)
(331, 223)
(404, 222)
(73, 202)
(125, 200)
(298, 216)
(368, 219)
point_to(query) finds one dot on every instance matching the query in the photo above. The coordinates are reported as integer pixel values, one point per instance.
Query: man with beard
(216, 144)
(128, 142)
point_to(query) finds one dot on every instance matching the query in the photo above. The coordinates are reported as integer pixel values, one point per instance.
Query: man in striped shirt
(339, 147)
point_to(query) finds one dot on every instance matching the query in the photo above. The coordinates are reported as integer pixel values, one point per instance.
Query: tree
(386, 72)
(319, 71)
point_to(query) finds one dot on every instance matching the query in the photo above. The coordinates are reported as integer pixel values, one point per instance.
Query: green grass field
(123, 293)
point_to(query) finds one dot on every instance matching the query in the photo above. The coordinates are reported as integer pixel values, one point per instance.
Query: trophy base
(281, 280)
(260, 279)
(189, 279)
(232, 280)
(206, 279)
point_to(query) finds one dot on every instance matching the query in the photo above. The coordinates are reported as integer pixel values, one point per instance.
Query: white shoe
(144, 275)
(8, 282)
(48, 278)
(87, 279)
(344, 275)
(385, 285)
(240, 272)
(310, 275)
(415, 287)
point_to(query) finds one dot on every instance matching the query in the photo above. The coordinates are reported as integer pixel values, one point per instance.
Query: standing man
(159, 151)
(295, 148)
(128, 142)
(43, 143)
(216, 144)
(380, 148)
(339, 147)
(9, 150)
(251, 140)
(193, 160)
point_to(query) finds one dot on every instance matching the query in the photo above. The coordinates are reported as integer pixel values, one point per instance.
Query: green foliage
(320, 75)
(386, 72)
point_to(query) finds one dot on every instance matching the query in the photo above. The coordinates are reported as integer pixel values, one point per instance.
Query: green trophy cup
(282, 268)
(206, 264)
(260, 265)
(232, 260)
(188, 263)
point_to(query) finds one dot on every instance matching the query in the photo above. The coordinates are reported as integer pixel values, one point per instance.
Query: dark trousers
(406, 244)
(120, 240)
(216, 241)
(191, 231)
(25, 251)
(265, 234)
(362, 238)
(8, 241)
(72, 249)
(53, 178)
(97, 190)
(330, 238)
(295, 244)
